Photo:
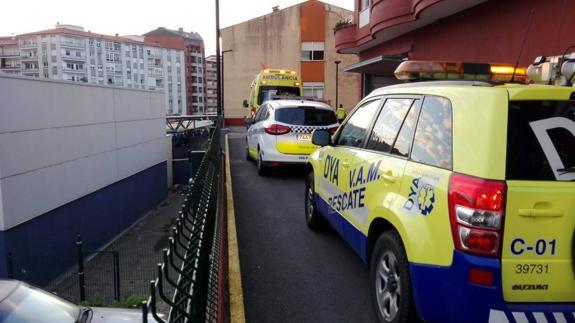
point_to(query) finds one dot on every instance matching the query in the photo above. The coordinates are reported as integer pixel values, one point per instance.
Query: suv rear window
(305, 116)
(541, 141)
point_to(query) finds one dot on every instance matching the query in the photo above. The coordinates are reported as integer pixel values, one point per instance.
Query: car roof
(7, 286)
(514, 90)
(279, 104)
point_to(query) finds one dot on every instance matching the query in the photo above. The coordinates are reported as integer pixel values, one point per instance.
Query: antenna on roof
(523, 43)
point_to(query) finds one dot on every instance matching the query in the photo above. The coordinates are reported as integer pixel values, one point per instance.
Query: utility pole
(218, 61)
(337, 83)
(223, 74)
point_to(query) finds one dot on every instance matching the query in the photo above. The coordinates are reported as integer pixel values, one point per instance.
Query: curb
(237, 313)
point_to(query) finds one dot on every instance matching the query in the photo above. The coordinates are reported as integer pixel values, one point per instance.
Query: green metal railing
(192, 264)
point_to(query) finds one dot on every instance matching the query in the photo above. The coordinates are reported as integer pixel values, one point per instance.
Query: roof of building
(165, 32)
(8, 41)
(74, 32)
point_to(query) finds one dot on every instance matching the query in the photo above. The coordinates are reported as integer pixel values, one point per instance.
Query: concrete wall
(60, 141)
(270, 41)
(349, 83)
(74, 159)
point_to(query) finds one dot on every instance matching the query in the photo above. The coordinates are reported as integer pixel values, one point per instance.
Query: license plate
(304, 136)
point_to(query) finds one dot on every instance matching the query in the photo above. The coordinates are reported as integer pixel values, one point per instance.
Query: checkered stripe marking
(496, 316)
(306, 129)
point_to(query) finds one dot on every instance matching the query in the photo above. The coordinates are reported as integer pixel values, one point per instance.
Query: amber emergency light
(429, 70)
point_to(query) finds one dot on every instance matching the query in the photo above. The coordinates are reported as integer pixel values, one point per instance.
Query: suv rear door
(538, 245)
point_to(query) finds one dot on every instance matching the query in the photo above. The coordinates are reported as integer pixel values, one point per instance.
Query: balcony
(68, 44)
(389, 19)
(74, 58)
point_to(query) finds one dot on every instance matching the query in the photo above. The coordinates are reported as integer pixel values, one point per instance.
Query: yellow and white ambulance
(459, 195)
(270, 83)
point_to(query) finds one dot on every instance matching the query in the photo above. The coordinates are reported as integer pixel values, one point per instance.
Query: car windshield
(305, 116)
(28, 304)
(268, 92)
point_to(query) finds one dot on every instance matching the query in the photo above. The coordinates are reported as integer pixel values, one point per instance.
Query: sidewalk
(140, 250)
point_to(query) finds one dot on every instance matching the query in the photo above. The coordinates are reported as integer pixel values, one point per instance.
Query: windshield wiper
(563, 171)
(84, 315)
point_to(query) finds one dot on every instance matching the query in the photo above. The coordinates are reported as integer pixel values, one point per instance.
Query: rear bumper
(444, 294)
(272, 155)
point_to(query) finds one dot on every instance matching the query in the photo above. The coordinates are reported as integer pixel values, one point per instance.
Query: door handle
(388, 176)
(536, 213)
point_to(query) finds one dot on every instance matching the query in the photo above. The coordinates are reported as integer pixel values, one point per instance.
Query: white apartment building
(211, 85)
(69, 53)
(10, 55)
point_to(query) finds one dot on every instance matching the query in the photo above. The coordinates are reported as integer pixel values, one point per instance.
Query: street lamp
(224, 76)
(336, 83)
(218, 71)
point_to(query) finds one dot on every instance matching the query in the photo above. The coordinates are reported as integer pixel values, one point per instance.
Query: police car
(458, 195)
(280, 134)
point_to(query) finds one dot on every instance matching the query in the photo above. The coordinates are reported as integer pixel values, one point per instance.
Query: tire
(390, 281)
(262, 170)
(248, 157)
(313, 218)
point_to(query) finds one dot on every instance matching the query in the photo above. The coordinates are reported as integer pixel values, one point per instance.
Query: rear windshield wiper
(566, 170)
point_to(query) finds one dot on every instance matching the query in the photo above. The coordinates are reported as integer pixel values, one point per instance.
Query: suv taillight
(476, 209)
(277, 129)
(333, 130)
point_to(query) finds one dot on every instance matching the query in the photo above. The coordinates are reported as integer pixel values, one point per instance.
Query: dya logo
(540, 129)
(421, 198)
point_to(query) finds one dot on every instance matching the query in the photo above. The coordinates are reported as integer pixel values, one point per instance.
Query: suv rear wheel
(390, 281)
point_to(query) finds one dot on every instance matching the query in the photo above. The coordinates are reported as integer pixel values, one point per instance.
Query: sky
(136, 17)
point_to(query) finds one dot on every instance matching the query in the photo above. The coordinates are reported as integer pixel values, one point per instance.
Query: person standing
(340, 113)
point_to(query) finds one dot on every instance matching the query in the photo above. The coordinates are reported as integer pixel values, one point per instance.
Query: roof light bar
(430, 70)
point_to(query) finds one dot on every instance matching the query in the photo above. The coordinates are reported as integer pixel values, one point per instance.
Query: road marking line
(237, 313)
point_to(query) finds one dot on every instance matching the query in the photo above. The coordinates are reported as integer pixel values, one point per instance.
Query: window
(307, 116)
(405, 137)
(311, 51)
(354, 130)
(259, 115)
(364, 13)
(432, 143)
(388, 123)
(313, 89)
(541, 140)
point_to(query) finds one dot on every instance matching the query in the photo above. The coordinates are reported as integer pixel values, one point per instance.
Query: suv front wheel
(313, 219)
(390, 281)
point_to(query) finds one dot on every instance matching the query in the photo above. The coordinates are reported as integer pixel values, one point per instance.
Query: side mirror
(249, 121)
(321, 137)
(245, 103)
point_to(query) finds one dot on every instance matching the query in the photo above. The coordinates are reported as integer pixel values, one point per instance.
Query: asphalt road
(290, 273)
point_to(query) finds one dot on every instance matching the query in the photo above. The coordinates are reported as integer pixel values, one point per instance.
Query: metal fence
(193, 263)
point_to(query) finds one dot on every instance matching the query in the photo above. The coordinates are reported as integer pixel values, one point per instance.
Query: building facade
(298, 38)
(193, 46)
(211, 85)
(385, 32)
(10, 55)
(69, 53)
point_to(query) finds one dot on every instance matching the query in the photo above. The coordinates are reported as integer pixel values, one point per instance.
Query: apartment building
(298, 38)
(385, 33)
(211, 85)
(71, 54)
(193, 46)
(10, 55)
